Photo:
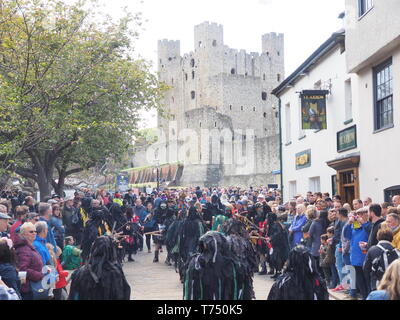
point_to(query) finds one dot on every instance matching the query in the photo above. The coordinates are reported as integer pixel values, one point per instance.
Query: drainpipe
(280, 144)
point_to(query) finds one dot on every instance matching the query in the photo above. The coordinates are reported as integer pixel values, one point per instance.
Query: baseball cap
(4, 216)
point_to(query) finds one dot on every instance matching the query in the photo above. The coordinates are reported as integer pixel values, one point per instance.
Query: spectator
(45, 212)
(367, 202)
(67, 214)
(311, 214)
(357, 231)
(8, 273)
(56, 224)
(21, 213)
(40, 242)
(375, 216)
(385, 237)
(28, 259)
(4, 219)
(318, 228)
(30, 203)
(325, 258)
(299, 221)
(393, 221)
(61, 283)
(357, 204)
(71, 256)
(389, 288)
(396, 200)
(384, 206)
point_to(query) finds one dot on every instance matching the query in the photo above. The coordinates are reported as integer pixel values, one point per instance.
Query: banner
(123, 182)
(313, 109)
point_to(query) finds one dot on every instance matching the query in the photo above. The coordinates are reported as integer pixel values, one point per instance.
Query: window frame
(375, 71)
(361, 4)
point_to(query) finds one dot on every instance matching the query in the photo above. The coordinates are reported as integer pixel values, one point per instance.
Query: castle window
(264, 76)
(264, 95)
(265, 114)
(233, 71)
(186, 76)
(230, 107)
(246, 74)
(214, 43)
(173, 99)
(254, 109)
(278, 52)
(278, 77)
(193, 94)
(200, 44)
(200, 124)
(169, 59)
(192, 74)
(192, 63)
(241, 108)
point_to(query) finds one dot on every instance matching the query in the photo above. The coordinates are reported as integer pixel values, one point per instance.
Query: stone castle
(222, 89)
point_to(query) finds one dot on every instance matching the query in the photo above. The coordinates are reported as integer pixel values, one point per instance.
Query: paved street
(157, 281)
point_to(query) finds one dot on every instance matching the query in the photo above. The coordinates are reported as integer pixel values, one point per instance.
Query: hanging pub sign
(313, 109)
(347, 139)
(303, 159)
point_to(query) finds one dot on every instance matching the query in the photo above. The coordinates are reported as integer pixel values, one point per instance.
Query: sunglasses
(32, 231)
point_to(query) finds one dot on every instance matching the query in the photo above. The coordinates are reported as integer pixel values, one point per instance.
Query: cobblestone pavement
(157, 281)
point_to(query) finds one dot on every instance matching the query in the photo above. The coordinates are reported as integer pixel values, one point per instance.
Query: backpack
(381, 263)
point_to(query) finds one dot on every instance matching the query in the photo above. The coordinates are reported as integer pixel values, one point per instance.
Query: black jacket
(373, 252)
(372, 240)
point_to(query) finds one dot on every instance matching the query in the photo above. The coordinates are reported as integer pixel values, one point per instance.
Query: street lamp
(156, 162)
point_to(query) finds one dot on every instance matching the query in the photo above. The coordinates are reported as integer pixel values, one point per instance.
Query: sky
(306, 24)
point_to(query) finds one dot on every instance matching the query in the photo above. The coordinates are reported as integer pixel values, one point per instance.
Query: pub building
(322, 149)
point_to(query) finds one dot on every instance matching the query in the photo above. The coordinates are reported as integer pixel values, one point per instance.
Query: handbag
(38, 291)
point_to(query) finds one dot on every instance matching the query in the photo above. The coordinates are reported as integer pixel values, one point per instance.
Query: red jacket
(12, 229)
(62, 282)
(29, 260)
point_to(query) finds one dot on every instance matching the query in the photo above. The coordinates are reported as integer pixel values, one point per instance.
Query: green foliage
(70, 91)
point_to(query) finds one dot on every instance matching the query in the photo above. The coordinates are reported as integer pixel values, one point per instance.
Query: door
(348, 185)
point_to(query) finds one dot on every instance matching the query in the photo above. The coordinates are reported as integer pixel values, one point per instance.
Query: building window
(334, 184)
(200, 124)
(192, 63)
(264, 95)
(315, 184)
(192, 74)
(264, 76)
(233, 71)
(215, 124)
(230, 107)
(214, 43)
(241, 108)
(292, 189)
(254, 108)
(348, 103)
(364, 6)
(265, 114)
(278, 77)
(383, 83)
(193, 94)
(200, 44)
(186, 76)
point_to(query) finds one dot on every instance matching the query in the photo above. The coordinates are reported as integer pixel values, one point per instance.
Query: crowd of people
(215, 238)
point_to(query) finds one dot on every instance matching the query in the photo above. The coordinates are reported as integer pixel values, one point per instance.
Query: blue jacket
(315, 232)
(298, 222)
(9, 276)
(57, 228)
(141, 212)
(50, 234)
(355, 236)
(40, 246)
(378, 295)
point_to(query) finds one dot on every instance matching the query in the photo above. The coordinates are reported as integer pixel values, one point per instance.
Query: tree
(71, 93)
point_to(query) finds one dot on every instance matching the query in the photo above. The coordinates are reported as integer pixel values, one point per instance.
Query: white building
(373, 54)
(305, 153)
(357, 155)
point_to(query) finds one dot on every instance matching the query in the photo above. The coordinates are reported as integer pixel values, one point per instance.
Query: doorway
(347, 184)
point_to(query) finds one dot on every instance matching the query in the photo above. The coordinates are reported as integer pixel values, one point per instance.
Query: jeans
(334, 276)
(361, 282)
(349, 274)
(339, 263)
